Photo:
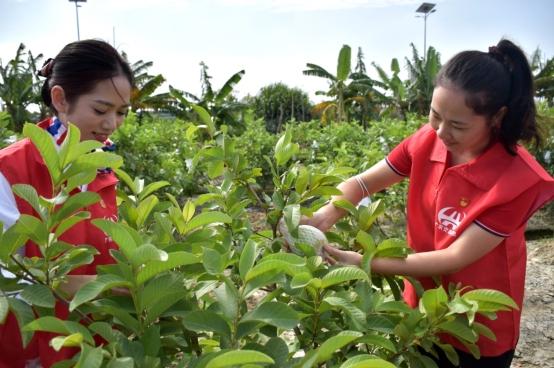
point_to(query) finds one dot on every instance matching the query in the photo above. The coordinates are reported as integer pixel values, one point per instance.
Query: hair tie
(46, 69)
(499, 56)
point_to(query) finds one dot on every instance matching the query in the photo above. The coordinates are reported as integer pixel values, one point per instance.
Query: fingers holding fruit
(307, 234)
(334, 255)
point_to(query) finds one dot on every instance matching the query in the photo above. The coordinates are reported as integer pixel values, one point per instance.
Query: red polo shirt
(498, 192)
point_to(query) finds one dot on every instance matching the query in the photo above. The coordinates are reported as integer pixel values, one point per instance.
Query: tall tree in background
(278, 103)
(20, 87)
(543, 74)
(421, 75)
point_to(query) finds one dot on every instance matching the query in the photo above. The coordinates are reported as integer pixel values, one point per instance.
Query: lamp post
(425, 9)
(77, 6)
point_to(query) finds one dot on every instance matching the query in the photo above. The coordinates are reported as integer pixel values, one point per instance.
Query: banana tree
(396, 100)
(19, 86)
(337, 83)
(143, 98)
(220, 104)
(422, 73)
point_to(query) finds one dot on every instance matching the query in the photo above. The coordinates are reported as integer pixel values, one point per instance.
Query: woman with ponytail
(88, 84)
(472, 189)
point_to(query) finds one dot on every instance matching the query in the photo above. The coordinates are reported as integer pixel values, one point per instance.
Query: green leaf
(56, 325)
(284, 149)
(66, 341)
(12, 240)
(301, 280)
(292, 217)
(82, 177)
(213, 261)
(343, 65)
(147, 253)
(45, 145)
(151, 341)
(127, 180)
(119, 234)
(207, 218)
(68, 145)
(188, 210)
(450, 353)
(228, 298)
(69, 222)
(126, 362)
(346, 205)
(343, 274)
(332, 344)
(4, 308)
(38, 295)
(103, 329)
(75, 202)
(433, 302)
(90, 357)
(273, 313)
(92, 289)
(459, 329)
(302, 180)
(29, 195)
(79, 149)
(277, 349)
(395, 248)
(378, 340)
(481, 329)
(205, 118)
(274, 265)
(239, 358)
(151, 188)
(366, 241)
(174, 260)
(366, 361)
(201, 321)
(492, 296)
(247, 258)
(145, 208)
(33, 228)
(355, 313)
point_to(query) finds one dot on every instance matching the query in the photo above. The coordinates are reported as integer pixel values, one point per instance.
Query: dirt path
(536, 344)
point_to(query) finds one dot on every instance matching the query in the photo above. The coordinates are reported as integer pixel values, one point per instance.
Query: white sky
(271, 39)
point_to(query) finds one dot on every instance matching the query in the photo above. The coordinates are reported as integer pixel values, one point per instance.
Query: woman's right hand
(334, 255)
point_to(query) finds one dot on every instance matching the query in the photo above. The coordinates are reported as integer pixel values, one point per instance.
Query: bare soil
(536, 342)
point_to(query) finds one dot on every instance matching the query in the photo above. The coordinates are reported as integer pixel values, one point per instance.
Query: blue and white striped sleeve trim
(488, 229)
(394, 168)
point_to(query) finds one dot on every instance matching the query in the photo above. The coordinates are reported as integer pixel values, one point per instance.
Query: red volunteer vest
(498, 192)
(21, 163)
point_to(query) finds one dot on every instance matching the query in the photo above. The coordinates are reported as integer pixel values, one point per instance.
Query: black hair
(501, 77)
(80, 66)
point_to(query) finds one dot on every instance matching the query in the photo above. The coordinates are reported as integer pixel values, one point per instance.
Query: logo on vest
(448, 220)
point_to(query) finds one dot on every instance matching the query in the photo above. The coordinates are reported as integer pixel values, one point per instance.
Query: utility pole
(426, 9)
(77, 6)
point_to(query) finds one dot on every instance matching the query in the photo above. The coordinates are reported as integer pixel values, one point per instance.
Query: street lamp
(77, 6)
(425, 9)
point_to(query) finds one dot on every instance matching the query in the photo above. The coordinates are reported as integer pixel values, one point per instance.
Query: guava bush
(205, 289)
